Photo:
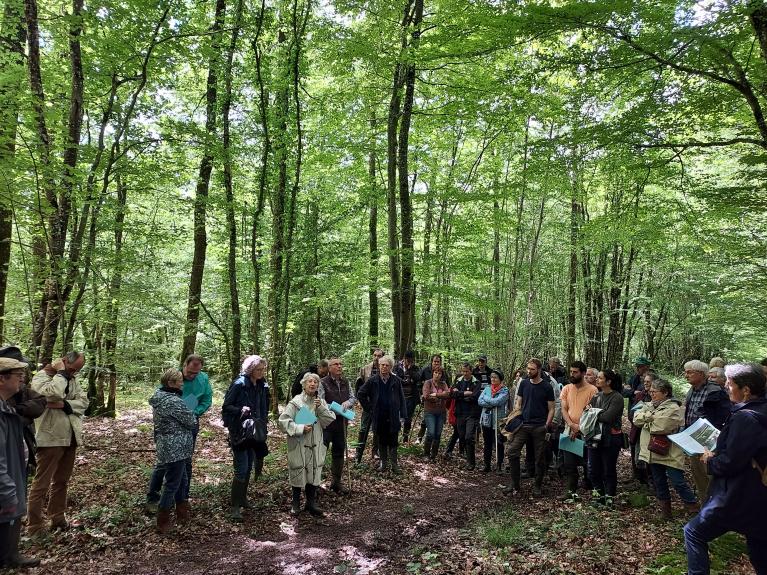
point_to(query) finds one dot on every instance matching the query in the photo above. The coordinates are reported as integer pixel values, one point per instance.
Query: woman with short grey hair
(384, 397)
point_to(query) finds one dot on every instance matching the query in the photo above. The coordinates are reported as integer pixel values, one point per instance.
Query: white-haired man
(705, 399)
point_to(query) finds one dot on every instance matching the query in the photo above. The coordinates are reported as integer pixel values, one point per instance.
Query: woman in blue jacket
(247, 398)
(494, 401)
(738, 495)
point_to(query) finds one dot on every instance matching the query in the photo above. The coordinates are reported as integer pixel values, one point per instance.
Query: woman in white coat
(306, 450)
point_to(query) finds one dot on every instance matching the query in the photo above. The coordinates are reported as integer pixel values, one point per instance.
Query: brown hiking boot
(665, 509)
(163, 521)
(184, 512)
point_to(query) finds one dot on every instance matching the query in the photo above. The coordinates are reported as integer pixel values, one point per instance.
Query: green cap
(641, 360)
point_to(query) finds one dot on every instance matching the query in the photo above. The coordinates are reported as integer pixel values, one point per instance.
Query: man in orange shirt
(575, 396)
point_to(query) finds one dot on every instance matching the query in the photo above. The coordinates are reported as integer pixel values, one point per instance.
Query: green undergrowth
(724, 552)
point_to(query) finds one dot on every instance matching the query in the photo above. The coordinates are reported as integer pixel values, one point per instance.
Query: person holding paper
(198, 395)
(705, 399)
(247, 398)
(174, 424)
(662, 416)
(738, 468)
(303, 420)
(575, 396)
(337, 389)
(383, 397)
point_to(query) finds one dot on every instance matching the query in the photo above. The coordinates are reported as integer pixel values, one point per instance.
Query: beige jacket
(306, 451)
(664, 419)
(55, 428)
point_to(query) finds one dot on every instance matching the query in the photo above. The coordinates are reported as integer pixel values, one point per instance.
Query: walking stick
(414, 421)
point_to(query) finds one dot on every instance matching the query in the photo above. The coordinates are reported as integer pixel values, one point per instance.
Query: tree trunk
(406, 291)
(263, 174)
(203, 187)
(373, 235)
(12, 38)
(234, 297)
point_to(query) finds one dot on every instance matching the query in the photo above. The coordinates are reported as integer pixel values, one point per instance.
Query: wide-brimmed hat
(642, 360)
(8, 363)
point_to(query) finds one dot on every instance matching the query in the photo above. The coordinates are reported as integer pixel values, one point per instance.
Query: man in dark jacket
(705, 399)
(383, 398)
(738, 496)
(337, 388)
(13, 467)
(410, 374)
(482, 371)
(366, 372)
(467, 411)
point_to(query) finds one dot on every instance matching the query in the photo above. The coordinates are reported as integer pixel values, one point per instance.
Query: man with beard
(575, 396)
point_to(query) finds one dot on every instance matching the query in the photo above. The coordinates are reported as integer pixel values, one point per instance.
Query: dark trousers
(571, 462)
(602, 467)
(697, 535)
(452, 441)
(158, 475)
(336, 438)
(466, 425)
(175, 477)
(489, 436)
(538, 435)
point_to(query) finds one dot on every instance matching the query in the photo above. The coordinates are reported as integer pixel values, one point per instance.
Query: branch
(699, 144)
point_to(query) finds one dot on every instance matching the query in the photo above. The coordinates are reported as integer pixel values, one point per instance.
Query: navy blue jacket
(738, 499)
(243, 392)
(368, 396)
(467, 405)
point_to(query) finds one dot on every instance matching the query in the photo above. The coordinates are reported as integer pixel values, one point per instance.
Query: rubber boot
(471, 456)
(434, 450)
(665, 509)
(238, 494)
(362, 440)
(427, 448)
(183, 512)
(394, 462)
(163, 521)
(337, 471)
(10, 534)
(295, 507)
(384, 463)
(311, 501)
(244, 503)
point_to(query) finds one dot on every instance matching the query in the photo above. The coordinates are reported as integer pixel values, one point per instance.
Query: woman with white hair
(246, 407)
(306, 450)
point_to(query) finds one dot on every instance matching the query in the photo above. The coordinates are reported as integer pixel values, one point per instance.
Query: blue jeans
(175, 477)
(158, 474)
(697, 535)
(434, 424)
(661, 474)
(243, 463)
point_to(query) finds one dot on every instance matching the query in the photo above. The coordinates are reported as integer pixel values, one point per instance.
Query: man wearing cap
(410, 374)
(59, 432)
(366, 372)
(13, 466)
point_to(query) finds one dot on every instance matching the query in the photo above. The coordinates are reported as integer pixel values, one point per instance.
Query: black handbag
(248, 432)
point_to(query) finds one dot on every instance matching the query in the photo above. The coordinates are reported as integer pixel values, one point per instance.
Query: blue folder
(571, 445)
(305, 417)
(348, 414)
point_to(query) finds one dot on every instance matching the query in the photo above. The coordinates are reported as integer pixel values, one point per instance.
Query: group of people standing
(42, 424)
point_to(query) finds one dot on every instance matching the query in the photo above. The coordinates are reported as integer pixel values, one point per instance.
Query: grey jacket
(173, 425)
(13, 465)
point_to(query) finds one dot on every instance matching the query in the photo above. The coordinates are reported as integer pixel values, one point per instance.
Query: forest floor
(434, 518)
